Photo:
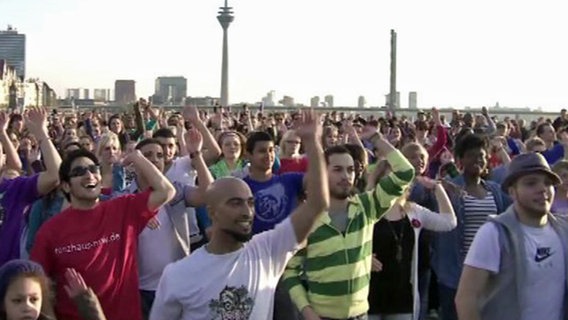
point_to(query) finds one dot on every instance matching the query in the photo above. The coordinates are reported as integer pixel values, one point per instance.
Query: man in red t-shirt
(99, 239)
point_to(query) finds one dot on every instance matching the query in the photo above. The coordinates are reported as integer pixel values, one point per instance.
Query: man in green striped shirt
(336, 262)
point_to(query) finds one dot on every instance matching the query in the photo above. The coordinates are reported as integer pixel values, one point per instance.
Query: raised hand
(75, 284)
(191, 114)
(350, 130)
(309, 126)
(368, 132)
(130, 157)
(497, 143)
(194, 140)
(33, 154)
(36, 122)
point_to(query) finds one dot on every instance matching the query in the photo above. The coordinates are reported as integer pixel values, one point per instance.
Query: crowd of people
(242, 214)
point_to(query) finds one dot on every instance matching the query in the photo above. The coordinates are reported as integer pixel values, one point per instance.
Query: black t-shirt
(390, 290)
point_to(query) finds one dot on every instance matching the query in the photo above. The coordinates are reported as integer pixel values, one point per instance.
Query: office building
(170, 90)
(101, 95)
(314, 102)
(287, 101)
(13, 50)
(86, 94)
(396, 102)
(124, 91)
(361, 102)
(329, 101)
(74, 93)
(268, 100)
(412, 100)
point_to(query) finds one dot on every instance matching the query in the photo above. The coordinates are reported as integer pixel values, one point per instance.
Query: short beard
(239, 237)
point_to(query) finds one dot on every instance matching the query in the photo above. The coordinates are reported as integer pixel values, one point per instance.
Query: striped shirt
(337, 267)
(476, 212)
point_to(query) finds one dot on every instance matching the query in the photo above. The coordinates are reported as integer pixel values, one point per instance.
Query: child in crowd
(24, 291)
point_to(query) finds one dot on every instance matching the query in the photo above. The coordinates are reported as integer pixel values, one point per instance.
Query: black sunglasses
(81, 171)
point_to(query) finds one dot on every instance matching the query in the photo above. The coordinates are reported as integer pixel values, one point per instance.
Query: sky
(453, 53)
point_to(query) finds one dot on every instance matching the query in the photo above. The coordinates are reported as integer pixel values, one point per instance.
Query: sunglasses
(81, 171)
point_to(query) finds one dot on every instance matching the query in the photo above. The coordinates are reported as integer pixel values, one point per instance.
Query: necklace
(397, 238)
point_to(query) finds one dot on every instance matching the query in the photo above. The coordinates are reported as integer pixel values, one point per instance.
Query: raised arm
(139, 121)
(162, 190)
(196, 197)
(389, 188)
(12, 159)
(36, 122)
(180, 136)
(212, 150)
(304, 217)
(441, 134)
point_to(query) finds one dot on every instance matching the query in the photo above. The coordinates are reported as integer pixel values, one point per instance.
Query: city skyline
(451, 54)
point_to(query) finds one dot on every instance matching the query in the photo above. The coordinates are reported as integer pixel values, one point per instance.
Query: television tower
(392, 93)
(225, 18)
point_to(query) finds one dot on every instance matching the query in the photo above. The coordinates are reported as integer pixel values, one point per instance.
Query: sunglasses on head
(81, 170)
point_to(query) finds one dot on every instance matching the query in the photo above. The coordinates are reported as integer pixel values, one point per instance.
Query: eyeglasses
(81, 170)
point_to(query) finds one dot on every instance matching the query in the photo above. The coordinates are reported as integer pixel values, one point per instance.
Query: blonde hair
(285, 137)
(412, 147)
(109, 138)
(534, 142)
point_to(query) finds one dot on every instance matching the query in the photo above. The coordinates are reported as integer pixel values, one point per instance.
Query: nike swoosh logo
(541, 258)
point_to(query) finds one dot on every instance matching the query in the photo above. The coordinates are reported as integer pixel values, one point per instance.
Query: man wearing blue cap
(516, 265)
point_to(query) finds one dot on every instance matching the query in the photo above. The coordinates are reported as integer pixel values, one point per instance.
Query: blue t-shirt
(274, 199)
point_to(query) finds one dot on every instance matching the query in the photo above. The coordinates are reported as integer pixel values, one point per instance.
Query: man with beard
(232, 277)
(99, 239)
(516, 265)
(473, 200)
(336, 263)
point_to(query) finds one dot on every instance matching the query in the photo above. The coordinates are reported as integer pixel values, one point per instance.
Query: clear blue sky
(451, 52)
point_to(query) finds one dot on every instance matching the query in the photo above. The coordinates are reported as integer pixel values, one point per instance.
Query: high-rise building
(287, 101)
(74, 93)
(170, 90)
(412, 100)
(13, 50)
(314, 102)
(268, 100)
(329, 100)
(85, 94)
(361, 102)
(101, 95)
(396, 101)
(124, 91)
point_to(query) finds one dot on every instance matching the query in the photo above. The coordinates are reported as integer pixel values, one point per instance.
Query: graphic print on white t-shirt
(233, 304)
(272, 203)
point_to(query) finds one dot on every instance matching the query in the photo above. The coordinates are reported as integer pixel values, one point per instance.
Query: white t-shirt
(239, 285)
(543, 295)
(156, 249)
(182, 171)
